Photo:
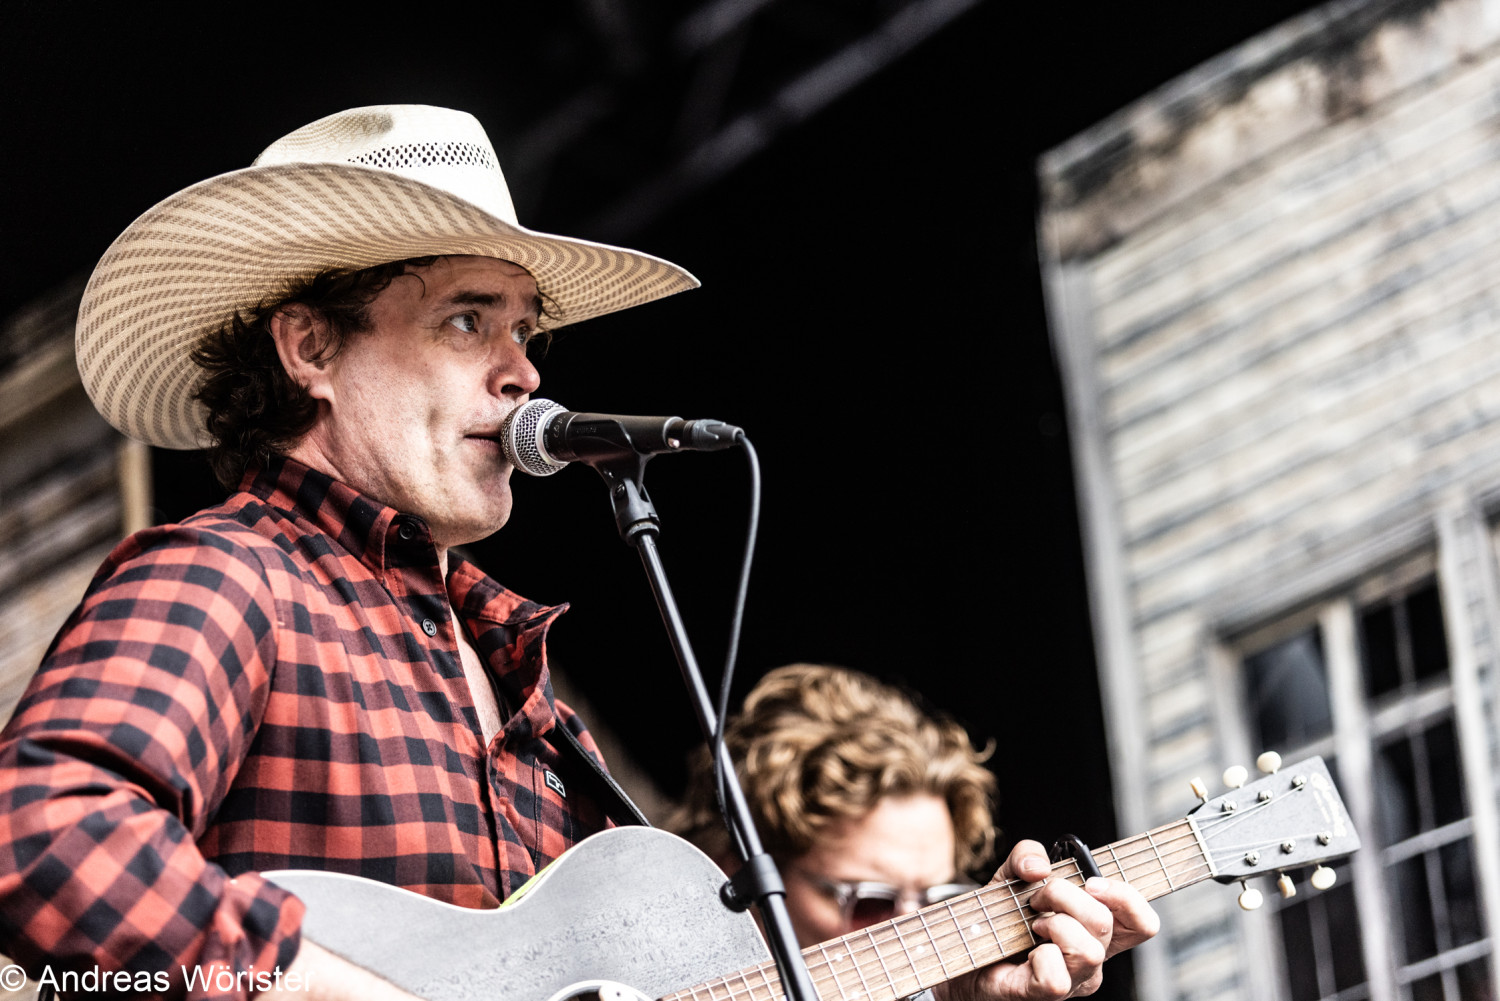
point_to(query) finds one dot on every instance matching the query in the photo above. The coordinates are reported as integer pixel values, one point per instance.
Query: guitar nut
(1288, 846)
(1252, 858)
(1265, 796)
(1325, 838)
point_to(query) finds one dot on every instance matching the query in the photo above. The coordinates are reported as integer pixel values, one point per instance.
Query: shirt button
(429, 627)
(407, 531)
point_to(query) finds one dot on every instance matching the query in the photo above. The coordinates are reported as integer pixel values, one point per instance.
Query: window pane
(1444, 775)
(1465, 924)
(1343, 928)
(1427, 989)
(1401, 640)
(1474, 982)
(1320, 934)
(1301, 954)
(1377, 635)
(1288, 692)
(1429, 643)
(1396, 792)
(1412, 909)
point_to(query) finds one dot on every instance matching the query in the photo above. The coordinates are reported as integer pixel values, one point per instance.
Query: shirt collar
(360, 525)
(368, 530)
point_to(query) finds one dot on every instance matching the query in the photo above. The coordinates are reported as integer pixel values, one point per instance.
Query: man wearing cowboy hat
(305, 676)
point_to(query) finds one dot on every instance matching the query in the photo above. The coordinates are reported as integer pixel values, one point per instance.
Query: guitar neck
(946, 940)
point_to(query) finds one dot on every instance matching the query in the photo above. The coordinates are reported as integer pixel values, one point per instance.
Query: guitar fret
(1010, 886)
(1115, 859)
(875, 944)
(984, 909)
(745, 979)
(826, 966)
(1160, 861)
(859, 969)
(842, 954)
(927, 949)
(908, 959)
(773, 987)
(942, 960)
(962, 938)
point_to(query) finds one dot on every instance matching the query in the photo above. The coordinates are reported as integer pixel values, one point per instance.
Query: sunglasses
(865, 903)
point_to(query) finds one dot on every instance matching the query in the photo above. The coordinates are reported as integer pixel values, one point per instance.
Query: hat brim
(229, 243)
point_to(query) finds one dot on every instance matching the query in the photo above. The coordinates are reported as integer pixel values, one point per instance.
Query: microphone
(540, 437)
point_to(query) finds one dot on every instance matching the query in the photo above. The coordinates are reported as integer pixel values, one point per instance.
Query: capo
(1069, 846)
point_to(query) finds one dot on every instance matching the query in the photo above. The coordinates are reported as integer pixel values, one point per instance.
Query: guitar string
(1014, 927)
(859, 952)
(1123, 865)
(1143, 853)
(1216, 824)
(977, 907)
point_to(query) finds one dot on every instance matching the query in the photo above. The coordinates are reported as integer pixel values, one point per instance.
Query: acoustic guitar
(634, 912)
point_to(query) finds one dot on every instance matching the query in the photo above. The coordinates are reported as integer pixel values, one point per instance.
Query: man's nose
(514, 374)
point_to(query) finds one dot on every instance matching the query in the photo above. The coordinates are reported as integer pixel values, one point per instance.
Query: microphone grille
(521, 437)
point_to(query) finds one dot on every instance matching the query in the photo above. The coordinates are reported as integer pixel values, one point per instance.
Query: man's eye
(467, 322)
(523, 335)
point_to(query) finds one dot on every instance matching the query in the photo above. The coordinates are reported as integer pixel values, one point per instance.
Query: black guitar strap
(581, 768)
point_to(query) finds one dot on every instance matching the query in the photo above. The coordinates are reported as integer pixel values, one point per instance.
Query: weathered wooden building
(70, 486)
(1274, 290)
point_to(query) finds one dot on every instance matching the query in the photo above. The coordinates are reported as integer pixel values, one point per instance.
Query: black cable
(717, 751)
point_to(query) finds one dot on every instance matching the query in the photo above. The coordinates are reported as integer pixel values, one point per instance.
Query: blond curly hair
(815, 744)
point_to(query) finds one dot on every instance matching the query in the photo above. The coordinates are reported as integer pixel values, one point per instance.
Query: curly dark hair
(256, 410)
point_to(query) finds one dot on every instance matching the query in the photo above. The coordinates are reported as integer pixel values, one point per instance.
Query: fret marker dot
(974, 929)
(838, 957)
(920, 950)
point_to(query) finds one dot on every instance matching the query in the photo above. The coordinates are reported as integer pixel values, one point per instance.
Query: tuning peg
(1270, 762)
(1235, 776)
(1286, 886)
(1199, 789)
(1250, 898)
(1323, 877)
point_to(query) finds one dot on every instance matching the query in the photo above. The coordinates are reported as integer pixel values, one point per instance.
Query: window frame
(1359, 727)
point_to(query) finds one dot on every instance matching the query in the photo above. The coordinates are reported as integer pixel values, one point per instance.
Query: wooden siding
(1275, 291)
(60, 485)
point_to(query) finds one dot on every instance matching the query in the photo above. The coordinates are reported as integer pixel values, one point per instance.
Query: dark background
(871, 315)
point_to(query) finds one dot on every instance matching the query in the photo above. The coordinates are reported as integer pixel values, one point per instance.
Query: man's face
(905, 841)
(413, 404)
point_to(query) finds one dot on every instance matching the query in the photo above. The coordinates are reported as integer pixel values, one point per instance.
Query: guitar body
(634, 913)
(631, 905)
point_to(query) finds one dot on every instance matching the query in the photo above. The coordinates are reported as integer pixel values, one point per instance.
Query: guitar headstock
(1291, 819)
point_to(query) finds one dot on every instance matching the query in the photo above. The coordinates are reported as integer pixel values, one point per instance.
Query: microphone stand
(758, 881)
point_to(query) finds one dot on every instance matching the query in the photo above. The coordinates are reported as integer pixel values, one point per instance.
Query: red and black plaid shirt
(274, 683)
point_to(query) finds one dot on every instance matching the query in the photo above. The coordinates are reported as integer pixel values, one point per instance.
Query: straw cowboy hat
(355, 189)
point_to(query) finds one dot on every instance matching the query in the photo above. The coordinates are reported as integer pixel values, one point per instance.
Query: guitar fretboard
(948, 939)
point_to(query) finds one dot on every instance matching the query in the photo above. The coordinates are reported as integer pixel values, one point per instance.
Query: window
(1365, 680)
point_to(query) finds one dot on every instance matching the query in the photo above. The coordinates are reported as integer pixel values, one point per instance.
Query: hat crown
(440, 147)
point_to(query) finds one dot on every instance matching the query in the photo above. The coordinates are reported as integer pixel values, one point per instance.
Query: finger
(1049, 976)
(1081, 947)
(1134, 919)
(1027, 860)
(1092, 915)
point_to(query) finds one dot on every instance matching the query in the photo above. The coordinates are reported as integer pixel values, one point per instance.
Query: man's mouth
(490, 440)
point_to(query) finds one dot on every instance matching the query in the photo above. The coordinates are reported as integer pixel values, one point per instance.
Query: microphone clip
(626, 479)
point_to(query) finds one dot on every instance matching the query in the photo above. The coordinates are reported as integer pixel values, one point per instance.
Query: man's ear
(301, 336)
